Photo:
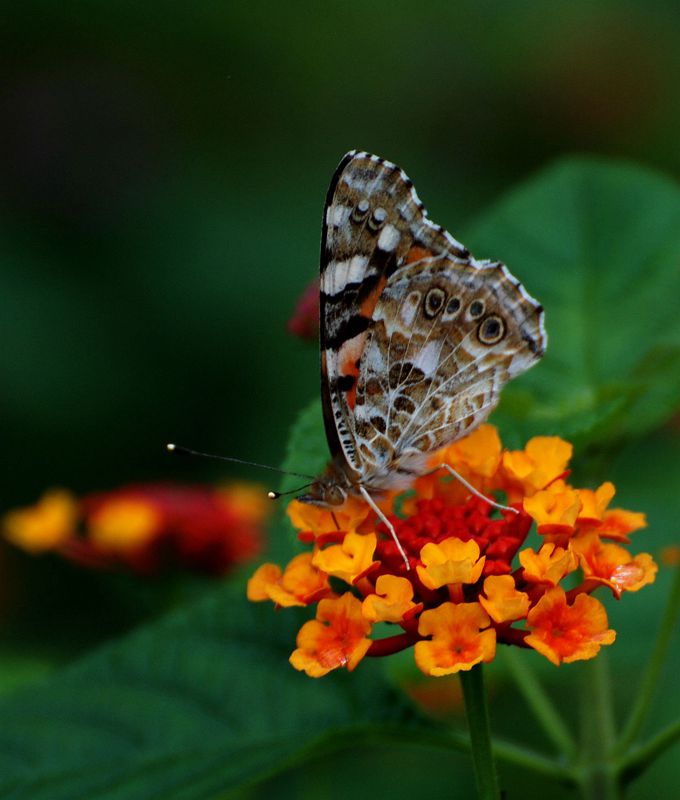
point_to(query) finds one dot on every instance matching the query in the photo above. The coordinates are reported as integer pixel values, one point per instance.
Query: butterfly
(417, 337)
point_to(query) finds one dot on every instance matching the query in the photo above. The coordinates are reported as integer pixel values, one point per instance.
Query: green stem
(641, 757)
(540, 704)
(650, 679)
(477, 712)
(599, 775)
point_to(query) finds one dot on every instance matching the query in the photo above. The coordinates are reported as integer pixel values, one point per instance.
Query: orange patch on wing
(417, 254)
(368, 306)
(349, 356)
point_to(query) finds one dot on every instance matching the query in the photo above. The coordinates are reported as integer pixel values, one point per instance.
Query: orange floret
(612, 565)
(248, 501)
(563, 632)
(393, 599)
(594, 503)
(338, 637)
(317, 520)
(554, 509)
(300, 583)
(124, 524)
(617, 524)
(452, 561)
(503, 601)
(45, 526)
(349, 560)
(476, 457)
(458, 641)
(549, 565)
(543, 460)
(670, 555)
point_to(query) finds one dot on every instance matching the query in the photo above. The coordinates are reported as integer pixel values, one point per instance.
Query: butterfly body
(417, 337)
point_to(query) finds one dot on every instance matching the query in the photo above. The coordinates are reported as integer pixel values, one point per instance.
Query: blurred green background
(162, 174)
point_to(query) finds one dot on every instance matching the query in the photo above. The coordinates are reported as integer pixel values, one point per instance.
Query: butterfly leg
(474, 491)
(371, 502)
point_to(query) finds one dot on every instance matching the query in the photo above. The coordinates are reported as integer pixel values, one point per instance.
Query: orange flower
(543, 459)
(146, 527)
(612, 565)
(476, 457)
(348, 560)
(450, 562)
(503, 601)
(458, 639)
(594, 503)
(617, 524)
(393, 599)
(299, 585)
(248, 501)
(460, 590)
(336, 638)
(306, 517)
(563, 632)
(45, 526)
(554, 509)
(670, 555)
(548, 566)
(124, 524)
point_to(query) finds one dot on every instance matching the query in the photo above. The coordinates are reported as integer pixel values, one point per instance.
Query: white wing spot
(389, 238)
(428, 358)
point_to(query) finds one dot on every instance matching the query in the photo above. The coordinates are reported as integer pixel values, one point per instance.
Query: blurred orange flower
(146, 527)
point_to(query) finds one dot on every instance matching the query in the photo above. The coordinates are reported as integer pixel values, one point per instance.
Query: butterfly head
(331, 489)
(325, 492)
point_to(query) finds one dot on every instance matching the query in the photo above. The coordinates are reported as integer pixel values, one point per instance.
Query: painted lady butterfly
(417, 337)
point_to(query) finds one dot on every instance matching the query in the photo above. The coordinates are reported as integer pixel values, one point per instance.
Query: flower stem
(477, 712)
(599, 775)
(540, 704)
(637, 760)
(650, 679)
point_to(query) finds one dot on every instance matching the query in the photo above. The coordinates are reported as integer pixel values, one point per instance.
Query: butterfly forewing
(417, 338)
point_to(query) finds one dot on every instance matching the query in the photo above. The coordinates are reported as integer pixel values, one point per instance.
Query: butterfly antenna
(276, 495)
(186, 451)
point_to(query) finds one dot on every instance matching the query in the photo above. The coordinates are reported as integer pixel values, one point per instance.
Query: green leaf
(195, 705)
(599, 245)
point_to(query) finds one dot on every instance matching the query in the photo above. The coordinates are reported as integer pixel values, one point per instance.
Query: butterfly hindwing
(445, 338)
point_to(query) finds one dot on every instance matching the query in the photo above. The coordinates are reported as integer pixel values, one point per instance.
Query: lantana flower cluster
(472, 582)
(149, 528)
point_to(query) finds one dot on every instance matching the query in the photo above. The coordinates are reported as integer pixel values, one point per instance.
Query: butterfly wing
(445, 338)
(373, 224)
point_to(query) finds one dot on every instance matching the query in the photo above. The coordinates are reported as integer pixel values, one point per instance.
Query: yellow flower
(458, 641)
(543, 460)
(554, 509)
(594, 503)
(315, 520)
(450, 562)
(348, 560)
(299, 585)
(45, 526)
(548, 566)
(124, 524)
(393, 599)
(503, 601)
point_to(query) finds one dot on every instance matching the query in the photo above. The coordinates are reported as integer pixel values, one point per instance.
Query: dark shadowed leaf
(199, 703)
